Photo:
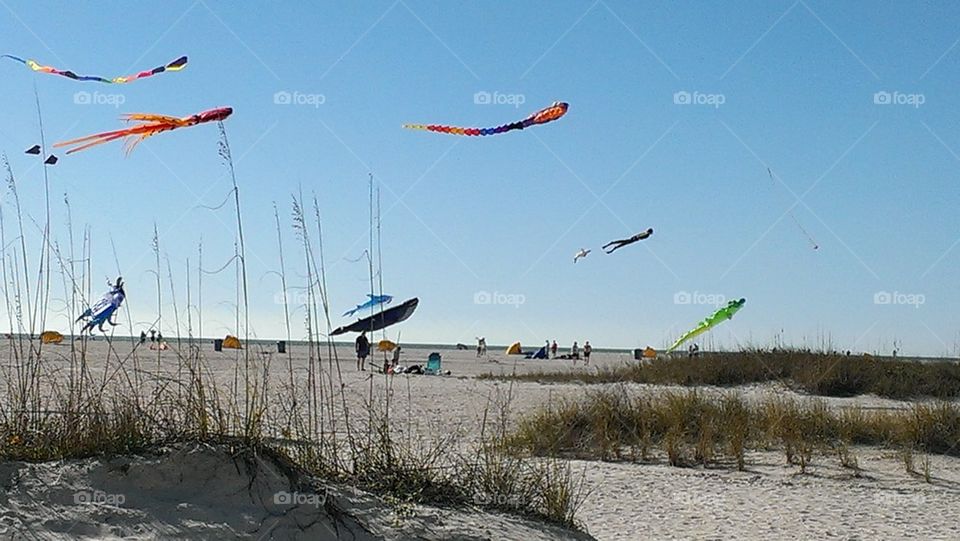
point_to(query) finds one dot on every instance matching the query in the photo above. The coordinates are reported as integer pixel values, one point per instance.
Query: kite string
(220, 206)
(225, 265)
(810, 239)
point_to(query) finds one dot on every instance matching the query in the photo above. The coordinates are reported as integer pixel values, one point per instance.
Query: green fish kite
(717, 318)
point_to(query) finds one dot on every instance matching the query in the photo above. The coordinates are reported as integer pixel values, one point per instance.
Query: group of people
(155, 336)
(574, 355)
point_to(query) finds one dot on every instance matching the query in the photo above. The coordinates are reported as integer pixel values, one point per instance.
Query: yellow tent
(514, 349)
(386, 345)
(51, 337)
(231, 342)
(649, 353)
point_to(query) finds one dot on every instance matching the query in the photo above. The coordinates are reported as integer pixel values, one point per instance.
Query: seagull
(581, 254)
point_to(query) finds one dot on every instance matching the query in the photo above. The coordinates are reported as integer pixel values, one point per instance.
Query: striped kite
(148, 126)
(549, 114)
(176, 65)
(104, 310)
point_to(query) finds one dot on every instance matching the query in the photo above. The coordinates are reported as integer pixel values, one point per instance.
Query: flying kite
(35, 151)
(382, 320)
(617, 244)
(148, 126)
(375, 300)
(549, 114)
(715, 319)
(176, 65)
(106, 307)
(581, 254)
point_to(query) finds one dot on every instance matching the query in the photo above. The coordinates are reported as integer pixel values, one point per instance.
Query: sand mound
(195, 491)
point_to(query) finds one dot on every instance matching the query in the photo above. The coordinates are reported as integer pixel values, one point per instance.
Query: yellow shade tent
(231, 342)
(649, 353)
(386, 345)
(514, 349)
(51, 337)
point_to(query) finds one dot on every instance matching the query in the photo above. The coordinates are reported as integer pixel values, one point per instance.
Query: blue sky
(788, 85)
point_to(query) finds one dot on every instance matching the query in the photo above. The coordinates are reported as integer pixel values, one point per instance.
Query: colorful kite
(176, 65)
(715, 319)
(554, 112)
(617, 244)
(149, 125)
(103, 311)
(375, 300)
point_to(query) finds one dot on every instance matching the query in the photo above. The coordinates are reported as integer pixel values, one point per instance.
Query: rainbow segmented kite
(548, 114)
(176, 65)
(149, 126)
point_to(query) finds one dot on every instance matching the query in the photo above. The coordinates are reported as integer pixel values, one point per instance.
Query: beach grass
(822, 374)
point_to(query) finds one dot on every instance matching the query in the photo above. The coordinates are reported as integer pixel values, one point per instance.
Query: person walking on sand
(587, 350)
(363, 350)
(575, 352)
(553, 350)
(481, 347)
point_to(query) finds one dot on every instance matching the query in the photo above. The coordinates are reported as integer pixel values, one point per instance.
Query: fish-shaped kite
(375, 300)
(148, 126)
(548, 114)
(176, 65)
(104, 310)
(715, 319)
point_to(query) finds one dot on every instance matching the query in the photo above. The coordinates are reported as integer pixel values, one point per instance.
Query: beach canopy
(51, 337)
(386, 345)
(514, 349)
(649, 352)
(231, 342)
(161, 346)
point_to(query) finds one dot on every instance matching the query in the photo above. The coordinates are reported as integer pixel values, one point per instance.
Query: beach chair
(433, 364)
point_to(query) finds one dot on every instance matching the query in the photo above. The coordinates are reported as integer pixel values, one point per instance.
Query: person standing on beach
(575, 352)
(481, 346)
(587, 350)
(363, 350)
(553, 350)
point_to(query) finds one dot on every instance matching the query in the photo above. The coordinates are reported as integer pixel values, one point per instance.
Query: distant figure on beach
(587, 350)
(396, 357)
(693, 350)
(575, 352)
(159, 336)
(153, 335)
(481, 347)
(617, 244)
(363, 350)
(553, 350)
(546, 349)
(143, 337)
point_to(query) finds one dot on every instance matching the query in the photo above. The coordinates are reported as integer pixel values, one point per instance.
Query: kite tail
(473, 132)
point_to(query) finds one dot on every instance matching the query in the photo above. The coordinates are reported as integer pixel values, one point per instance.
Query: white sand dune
(193, 491)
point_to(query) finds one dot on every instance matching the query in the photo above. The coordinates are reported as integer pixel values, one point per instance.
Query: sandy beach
(623, 500)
